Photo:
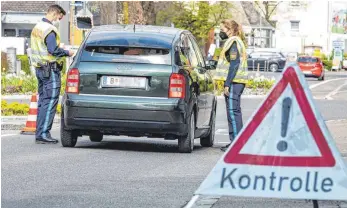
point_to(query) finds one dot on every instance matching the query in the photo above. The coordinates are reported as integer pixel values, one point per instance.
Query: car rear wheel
(186, 143)
(273, 67)
(96, 137)
(68, 137)
(321, 78)
(209, 139)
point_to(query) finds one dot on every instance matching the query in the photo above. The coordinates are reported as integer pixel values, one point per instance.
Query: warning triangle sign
(285, 150)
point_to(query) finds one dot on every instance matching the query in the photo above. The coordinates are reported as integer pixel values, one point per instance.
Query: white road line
(202, 201)
(324, 82)
(334, 92)
(5, 135)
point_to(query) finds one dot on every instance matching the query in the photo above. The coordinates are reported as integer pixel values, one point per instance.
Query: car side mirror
(211, 64)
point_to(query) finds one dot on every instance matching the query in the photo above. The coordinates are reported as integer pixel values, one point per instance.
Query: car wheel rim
(273, 68)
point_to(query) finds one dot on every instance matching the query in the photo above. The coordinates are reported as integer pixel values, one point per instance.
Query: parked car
(311, 67)
(139, 81)
(344, 64)
(267, 61)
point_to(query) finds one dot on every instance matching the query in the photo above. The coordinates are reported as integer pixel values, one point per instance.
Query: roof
(25, 6)
(139, 28)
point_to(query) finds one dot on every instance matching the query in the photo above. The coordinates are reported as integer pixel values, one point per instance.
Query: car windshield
(307, 60)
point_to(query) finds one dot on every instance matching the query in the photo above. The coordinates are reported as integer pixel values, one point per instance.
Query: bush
(253, 83)
(15, 108)
(26, 66)
(4, 62)
(328, 64)
(18, 109)
(24, 63)
(24, 84)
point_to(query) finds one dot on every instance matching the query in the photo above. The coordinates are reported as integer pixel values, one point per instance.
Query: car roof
(139, 29)
(164, 36)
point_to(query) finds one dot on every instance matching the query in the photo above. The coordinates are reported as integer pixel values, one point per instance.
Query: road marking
(202, 201)
(5, 135)
(324, 82)
(334, 92)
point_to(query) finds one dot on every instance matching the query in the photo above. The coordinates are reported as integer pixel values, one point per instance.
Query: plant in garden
(18, 109)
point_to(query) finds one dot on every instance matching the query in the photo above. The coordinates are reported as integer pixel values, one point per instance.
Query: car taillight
(177, 87)
(73, 81)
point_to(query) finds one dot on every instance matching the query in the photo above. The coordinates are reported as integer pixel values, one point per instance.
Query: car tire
(186, 143)
(321, 78)
(209, 139)
(68, 137)
(96, 137)
(273, 67)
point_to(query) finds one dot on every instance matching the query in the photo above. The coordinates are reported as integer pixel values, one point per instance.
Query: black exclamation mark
(287, 103)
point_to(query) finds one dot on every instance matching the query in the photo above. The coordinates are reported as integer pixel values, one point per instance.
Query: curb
(245, 96)
(18, 122)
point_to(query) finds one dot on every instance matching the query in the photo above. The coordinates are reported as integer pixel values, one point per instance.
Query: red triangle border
(326, 160)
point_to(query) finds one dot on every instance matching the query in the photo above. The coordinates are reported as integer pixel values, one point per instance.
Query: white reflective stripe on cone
(32, 117)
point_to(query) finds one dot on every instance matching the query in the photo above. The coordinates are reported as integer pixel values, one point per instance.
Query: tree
(268, 8)
(108, 12)
(197, 17)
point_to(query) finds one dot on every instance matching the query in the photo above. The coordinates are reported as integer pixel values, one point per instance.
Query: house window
(10, 32)
(294, 25)
(295, 4)
(24, 33)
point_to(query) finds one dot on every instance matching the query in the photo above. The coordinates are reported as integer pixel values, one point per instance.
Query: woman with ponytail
(233, 60)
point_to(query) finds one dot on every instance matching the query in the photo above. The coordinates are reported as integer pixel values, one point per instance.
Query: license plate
(124, 82)
(307, 72)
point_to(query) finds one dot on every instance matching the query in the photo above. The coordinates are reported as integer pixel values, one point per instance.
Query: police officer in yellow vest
(233, 60)
(47, 58)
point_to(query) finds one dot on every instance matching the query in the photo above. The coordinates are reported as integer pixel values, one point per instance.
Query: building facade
(300, 24)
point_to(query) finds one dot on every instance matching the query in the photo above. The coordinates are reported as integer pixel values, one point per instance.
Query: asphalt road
(137, 172)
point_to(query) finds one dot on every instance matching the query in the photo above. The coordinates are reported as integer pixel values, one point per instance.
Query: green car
(140, 81)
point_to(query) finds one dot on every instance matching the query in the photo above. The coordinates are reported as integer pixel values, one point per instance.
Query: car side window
(200, 57)
(191, 53)
(183, 54)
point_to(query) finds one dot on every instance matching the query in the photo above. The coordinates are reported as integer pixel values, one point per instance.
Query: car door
(197, 76)
(208, 93)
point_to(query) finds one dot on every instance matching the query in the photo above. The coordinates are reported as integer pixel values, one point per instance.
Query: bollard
(32, 68)
(11, 55)
(19, 67)
(253, 65)
(258, 67)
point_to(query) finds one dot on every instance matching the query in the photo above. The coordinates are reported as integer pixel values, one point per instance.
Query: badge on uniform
(233, 55)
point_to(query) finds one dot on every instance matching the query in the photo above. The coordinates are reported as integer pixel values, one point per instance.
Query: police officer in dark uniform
(47, 58)
(234, 52)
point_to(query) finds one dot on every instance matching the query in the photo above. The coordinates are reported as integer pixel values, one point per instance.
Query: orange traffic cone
(30, 127)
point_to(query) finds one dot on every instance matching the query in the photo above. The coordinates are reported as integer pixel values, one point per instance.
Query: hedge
(18, 109)
(26, 66)
(24, 84)
(328, 64)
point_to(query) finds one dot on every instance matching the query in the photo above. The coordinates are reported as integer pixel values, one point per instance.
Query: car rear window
(145, 48)
(126, 54)
(307, 60)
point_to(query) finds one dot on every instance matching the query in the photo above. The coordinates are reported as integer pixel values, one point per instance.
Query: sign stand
(284, 151)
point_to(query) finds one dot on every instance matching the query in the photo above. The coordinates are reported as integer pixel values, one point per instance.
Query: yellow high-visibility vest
(40, 54)
(223, 64)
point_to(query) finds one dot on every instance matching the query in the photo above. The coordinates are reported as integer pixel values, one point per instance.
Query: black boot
(46, 141)
(225, 147)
